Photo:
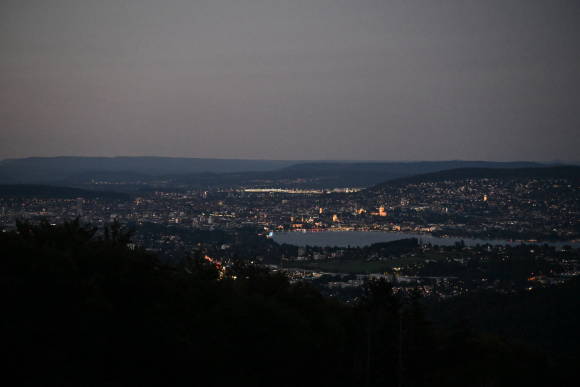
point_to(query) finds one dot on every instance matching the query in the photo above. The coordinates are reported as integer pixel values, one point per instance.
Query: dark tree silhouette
(80, 308)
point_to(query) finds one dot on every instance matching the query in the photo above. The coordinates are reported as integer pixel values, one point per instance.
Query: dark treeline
(79, 308)
(548, 318)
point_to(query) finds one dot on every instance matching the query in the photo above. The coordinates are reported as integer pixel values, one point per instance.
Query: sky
(291, 79)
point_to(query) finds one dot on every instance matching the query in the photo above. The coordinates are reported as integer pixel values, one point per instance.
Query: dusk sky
(291, 79)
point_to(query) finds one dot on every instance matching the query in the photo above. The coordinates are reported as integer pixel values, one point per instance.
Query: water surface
(365, 238)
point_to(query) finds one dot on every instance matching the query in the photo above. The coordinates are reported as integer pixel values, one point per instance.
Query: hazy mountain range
(130, 172)
(56, 169)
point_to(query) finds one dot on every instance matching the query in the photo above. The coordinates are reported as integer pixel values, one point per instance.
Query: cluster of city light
(301, 191)
(284, 190)
(218, 265)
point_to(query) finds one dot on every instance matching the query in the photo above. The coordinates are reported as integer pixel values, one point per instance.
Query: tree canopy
(81, 308)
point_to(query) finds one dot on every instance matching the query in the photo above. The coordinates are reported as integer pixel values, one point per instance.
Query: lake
(365, 238)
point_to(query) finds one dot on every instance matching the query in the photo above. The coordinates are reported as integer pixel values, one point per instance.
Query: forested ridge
(81, 308)
(570, 172)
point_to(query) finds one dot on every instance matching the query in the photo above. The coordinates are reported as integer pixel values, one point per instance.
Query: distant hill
(56, 169)
(564, 172)
(365, 174)
(94, 177)
(190, 172)
(339, 174)
(51, 192)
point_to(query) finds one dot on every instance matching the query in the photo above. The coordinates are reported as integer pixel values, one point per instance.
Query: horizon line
(555, 161)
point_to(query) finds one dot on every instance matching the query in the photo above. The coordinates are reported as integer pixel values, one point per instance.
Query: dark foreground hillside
(79, 308)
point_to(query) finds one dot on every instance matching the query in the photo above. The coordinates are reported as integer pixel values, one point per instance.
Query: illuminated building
(382, 211)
